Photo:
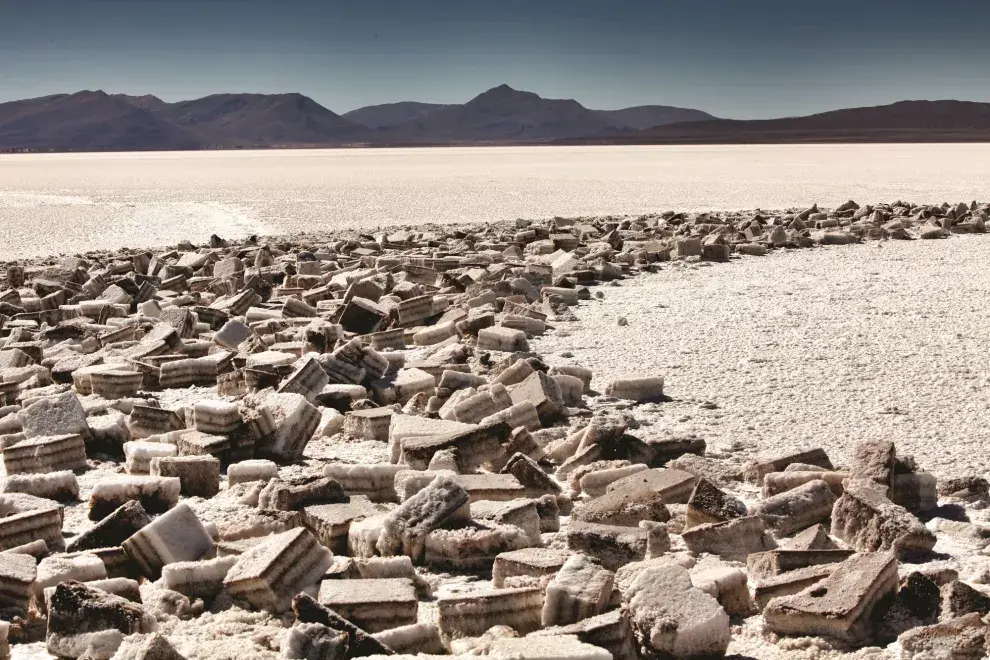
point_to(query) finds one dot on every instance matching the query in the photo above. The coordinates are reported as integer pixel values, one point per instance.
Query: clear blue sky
(733, 58)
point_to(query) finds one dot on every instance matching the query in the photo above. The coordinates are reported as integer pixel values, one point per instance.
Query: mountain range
(97, 121)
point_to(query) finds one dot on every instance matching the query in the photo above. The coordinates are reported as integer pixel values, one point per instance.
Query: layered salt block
(841, 605)
(296, 492)
(139, 453)
(470, 615)
(416, 638)
(729, 586)
(59, 486)
(780, 482)
(375, 481)
(580, 589)
(305, 641)
(551, 647)
(83, 621)
(611, 545)
(36, 549)
(537, 563)
(25, 518)
(360, 643)
(625, 507)
(543, 392)
(756, 470)
(594, 482)
(372, 604)
(775, 562)
(874, 460)
(216, 416)
(113, 530)
(54, 416)
(17, 577)
(370, 424)
(172, 537)
(330, 523)
(269, 575)
(471, 546)
(475, 447)
(795, 509)
(502, 339)
(61, 568)
(610, 631)
(521, 513)
(736, 538)
(232, 334)
(156, 494)
(42, 454)
(295, 421)
(636, 389)
(710, 504)
(251, 470)
(116, 383)
(675, 486)
(671, 617)
(405, 529)
(199, 476)
(331, 423)
(198, 579)
(962, 638)
(403, 386)
(402, 427)
(869, 522)
(308, 380)
(790, 583)
(197, 443)
(917, 491)
(529, 473)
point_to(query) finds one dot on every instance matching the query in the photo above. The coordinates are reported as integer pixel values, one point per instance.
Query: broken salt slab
(173, 537)
(372, 604)
(58, 486)
(579, 590)
(470, 615)
(156, 494)
(251, 470)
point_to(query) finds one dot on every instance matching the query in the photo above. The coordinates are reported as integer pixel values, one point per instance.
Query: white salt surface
(811, 348)
(51, 203)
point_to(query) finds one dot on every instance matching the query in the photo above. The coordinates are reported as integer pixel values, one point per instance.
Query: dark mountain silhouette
(906, 121)
(648, 116)
(253, 120)
(148, 101)
(503, 114)
(87, 121)
(392, 114)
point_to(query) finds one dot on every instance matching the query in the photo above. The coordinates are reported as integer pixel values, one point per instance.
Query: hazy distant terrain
(97, 121)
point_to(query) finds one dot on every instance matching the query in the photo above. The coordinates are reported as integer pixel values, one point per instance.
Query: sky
(734, 58)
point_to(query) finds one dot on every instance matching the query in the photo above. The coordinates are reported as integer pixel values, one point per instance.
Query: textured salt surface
(51, 203)
(817, 348)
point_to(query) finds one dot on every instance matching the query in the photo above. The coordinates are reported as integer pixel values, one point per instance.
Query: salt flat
(53, 203)
(811, 348)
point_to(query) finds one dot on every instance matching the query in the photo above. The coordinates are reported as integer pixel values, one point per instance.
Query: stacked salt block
(376, 397)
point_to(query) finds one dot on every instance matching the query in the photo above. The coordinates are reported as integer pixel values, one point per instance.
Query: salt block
(674, 486)
(472, 614)
(611, 545)
(25, 518)
(295, 421)
(370, 424)
(580, 589)
(197, 443)
(521, 513)
(58, 486)
(54, 416)
(813, 538)
(502, 339)
(405, 529)
(269, 575)
(139, 453)
(251, 470)
(17, 577)
(637, 389)
(313, 640)
(530, 562)
(869, 522)
(416, 638)
(372, 604)
(874, 460)
(729, 586)
(528, 472)
(330, 523)
(475, 447)
(156, 494)
(232, 334)
(308, 380)
(693, 623)
(113, 530)
(83, 621)
(216, 416)
(735, 538)
(199, 476)
(839, 606)
(42, 454)
(551, 647)
(780, 482)
(624, 507)
(917, 491)
(710, 504)
(375, 481)
(294, 493)
(756, 470)
(198, 579)
(177, 535)
(775, 562)
(402, 427)
(789, 583)
(795, 509)
(359, 642)
(116, 383)
(543, 392)
(610, 631)
(963, 638)
(403, 386)
(471, 545)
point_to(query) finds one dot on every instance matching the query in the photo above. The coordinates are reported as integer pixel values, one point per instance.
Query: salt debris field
(743, 434)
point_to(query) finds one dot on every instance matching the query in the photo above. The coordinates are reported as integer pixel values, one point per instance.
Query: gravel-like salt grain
(811, 348)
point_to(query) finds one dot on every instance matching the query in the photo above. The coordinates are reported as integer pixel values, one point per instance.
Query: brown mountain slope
(648, 116)
(392, 114)
(87, 121)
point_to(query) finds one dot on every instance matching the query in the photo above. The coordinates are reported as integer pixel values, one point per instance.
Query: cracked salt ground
(807, 349)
